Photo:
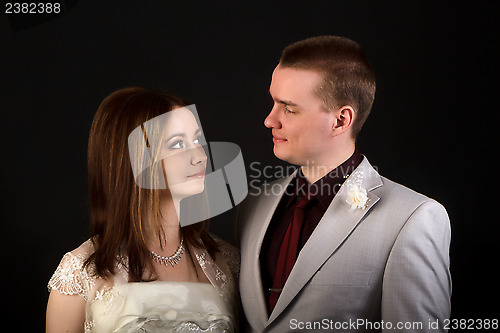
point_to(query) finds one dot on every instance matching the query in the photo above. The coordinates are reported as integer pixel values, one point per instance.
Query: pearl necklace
(173, 259)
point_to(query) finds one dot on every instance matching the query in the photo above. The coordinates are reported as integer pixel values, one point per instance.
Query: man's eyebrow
(289, 103)
(281, 101)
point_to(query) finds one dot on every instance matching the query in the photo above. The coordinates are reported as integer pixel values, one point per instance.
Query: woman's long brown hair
(117, 205)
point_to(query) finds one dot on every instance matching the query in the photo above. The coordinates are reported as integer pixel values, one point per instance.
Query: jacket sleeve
(417, 282)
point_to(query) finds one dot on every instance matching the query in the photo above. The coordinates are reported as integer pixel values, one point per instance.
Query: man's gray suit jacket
(381, 268)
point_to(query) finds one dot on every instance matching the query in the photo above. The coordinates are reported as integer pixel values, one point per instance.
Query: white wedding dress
(117, 305)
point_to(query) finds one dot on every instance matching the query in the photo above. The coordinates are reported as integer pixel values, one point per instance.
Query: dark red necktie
(289, 250)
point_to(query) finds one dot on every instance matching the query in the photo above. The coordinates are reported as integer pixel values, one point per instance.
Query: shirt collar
(325, 188)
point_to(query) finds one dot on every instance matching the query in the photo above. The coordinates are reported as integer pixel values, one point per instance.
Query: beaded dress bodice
(116, 305)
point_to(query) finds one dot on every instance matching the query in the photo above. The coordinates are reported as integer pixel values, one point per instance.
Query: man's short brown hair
(348, 78)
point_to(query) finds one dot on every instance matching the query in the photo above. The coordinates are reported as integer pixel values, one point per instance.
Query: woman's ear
(344, 117)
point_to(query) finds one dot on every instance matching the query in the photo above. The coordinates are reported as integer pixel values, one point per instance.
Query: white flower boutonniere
(357, 197)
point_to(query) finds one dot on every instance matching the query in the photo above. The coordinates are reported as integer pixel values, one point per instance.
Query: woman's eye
(177, 145)
(197, 141)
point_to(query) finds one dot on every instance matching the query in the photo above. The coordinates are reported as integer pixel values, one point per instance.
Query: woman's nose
(198, 156)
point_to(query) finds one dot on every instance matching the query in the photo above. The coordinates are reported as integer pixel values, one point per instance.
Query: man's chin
(284, 156)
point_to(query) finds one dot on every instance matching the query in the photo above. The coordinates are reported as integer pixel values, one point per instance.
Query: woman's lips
(199, 174)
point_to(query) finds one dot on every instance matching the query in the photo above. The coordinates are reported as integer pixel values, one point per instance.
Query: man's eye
(177, 145)
(287, 110)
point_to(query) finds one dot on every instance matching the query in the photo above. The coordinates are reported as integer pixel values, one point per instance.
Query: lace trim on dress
(222, 274)
(70, 278)
(216, 277)
(232, 258)
(156, 324)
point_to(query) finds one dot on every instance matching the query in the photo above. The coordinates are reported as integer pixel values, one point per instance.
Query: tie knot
(304, 202)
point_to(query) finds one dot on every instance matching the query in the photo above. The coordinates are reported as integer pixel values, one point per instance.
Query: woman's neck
(169, 221)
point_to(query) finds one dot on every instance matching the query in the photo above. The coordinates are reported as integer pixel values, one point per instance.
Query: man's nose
(272, 120)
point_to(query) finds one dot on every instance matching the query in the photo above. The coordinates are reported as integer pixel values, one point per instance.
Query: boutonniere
(356, 193)
(356, 197)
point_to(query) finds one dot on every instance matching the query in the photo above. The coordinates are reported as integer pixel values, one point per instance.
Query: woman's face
(183, 157)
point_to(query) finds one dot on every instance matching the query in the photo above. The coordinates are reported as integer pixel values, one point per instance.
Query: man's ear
(344, 117)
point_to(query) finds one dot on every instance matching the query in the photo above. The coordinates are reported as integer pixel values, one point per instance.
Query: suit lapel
(264, 212)
(338, 222)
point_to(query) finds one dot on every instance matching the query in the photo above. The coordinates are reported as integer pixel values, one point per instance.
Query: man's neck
(313, 171)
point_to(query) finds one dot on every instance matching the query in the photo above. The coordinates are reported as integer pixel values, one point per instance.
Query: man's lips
(277, 139)
(199, 174)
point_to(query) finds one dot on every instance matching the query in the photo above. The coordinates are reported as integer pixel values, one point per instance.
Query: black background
(433, 127)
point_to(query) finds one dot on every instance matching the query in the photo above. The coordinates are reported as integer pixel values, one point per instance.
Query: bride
(141, 271)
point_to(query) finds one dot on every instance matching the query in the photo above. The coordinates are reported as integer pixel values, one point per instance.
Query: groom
(339, 247)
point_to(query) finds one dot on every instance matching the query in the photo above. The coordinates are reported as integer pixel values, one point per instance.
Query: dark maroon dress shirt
(323, 190)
